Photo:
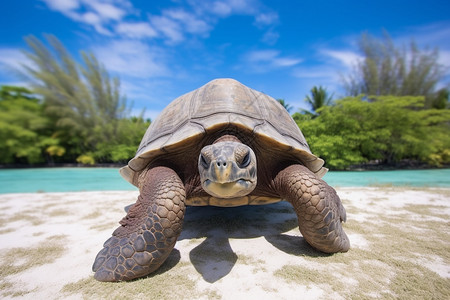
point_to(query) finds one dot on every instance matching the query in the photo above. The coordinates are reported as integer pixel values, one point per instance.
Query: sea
(36, 180)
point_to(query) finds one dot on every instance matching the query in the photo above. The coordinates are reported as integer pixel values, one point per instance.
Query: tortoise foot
(125, 258)
(319, 210)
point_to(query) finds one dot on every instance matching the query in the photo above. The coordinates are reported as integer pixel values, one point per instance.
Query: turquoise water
(62, 180)
(414, 178)
(104, 179)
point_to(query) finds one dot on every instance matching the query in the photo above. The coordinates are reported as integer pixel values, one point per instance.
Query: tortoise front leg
(148, 232)
(318, 207)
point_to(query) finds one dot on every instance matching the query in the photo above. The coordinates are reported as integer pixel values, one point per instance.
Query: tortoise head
(227, 169)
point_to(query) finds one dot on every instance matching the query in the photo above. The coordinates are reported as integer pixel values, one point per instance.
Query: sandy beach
(400, 249)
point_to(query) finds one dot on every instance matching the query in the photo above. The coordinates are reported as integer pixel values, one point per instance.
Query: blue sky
(162, 49)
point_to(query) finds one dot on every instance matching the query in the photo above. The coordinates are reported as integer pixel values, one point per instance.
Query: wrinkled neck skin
(227, 138)
(227, 168)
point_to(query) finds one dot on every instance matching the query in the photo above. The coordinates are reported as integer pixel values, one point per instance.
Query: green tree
(129, 134)
(440, 100)
(82, 100)
(389, 129)
(387, 70)
(23, 127)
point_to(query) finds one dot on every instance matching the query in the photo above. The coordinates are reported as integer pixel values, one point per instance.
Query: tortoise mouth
(232, 189)
(240, 181)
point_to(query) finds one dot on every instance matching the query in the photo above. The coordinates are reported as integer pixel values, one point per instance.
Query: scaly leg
(318, 207)
(148, 232)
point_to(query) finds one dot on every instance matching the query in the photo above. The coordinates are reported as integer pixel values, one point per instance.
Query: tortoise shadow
(211, 261)
(214, 258)
(294, 245)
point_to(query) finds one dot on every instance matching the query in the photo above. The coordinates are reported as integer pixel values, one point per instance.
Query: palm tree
(285, 105)
(319, 98)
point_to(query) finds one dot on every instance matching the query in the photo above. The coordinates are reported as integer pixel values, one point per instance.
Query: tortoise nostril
(221, 163)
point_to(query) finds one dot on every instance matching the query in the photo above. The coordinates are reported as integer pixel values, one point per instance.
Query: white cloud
(270, 37)
(262, 55)
(174, 25)
(64, 6)
(132, 59)
(220, 8)
(328, 70)
(212, 11)
(286, 61)
(430, 35)
(444, 58)
(347, 58)
(264, 19)
(96, 13)
(106, 10)
(225, 8)
(11, 58)
(191, 22)
(12, 62)
(318, 72)
(168, 27)
(136, 30)
(265, 60)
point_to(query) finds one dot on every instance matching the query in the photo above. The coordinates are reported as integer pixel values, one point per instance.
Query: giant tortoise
(223, 144)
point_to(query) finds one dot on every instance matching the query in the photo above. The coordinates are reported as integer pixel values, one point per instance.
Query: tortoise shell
(193, 120)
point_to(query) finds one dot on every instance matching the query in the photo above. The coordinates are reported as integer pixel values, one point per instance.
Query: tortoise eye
(246, 160)
(203, 161)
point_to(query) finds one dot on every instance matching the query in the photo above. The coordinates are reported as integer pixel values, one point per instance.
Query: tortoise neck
(227, 138)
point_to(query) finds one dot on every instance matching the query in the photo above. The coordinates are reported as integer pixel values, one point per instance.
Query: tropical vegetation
(385, 130)
(73, 113)
(393, 111)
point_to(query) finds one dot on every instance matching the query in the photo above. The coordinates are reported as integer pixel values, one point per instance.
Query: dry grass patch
(26, 216)
(105, 226)
(428, 210)
(59, 213)
(171, 281)
(8, 289)
(48, 205)
(309, 277)
(7, 230)
(413, 281)
(92, 215)
(257, 264)
(17, 260)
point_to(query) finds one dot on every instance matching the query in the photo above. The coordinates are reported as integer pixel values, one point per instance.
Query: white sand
(83, 221)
